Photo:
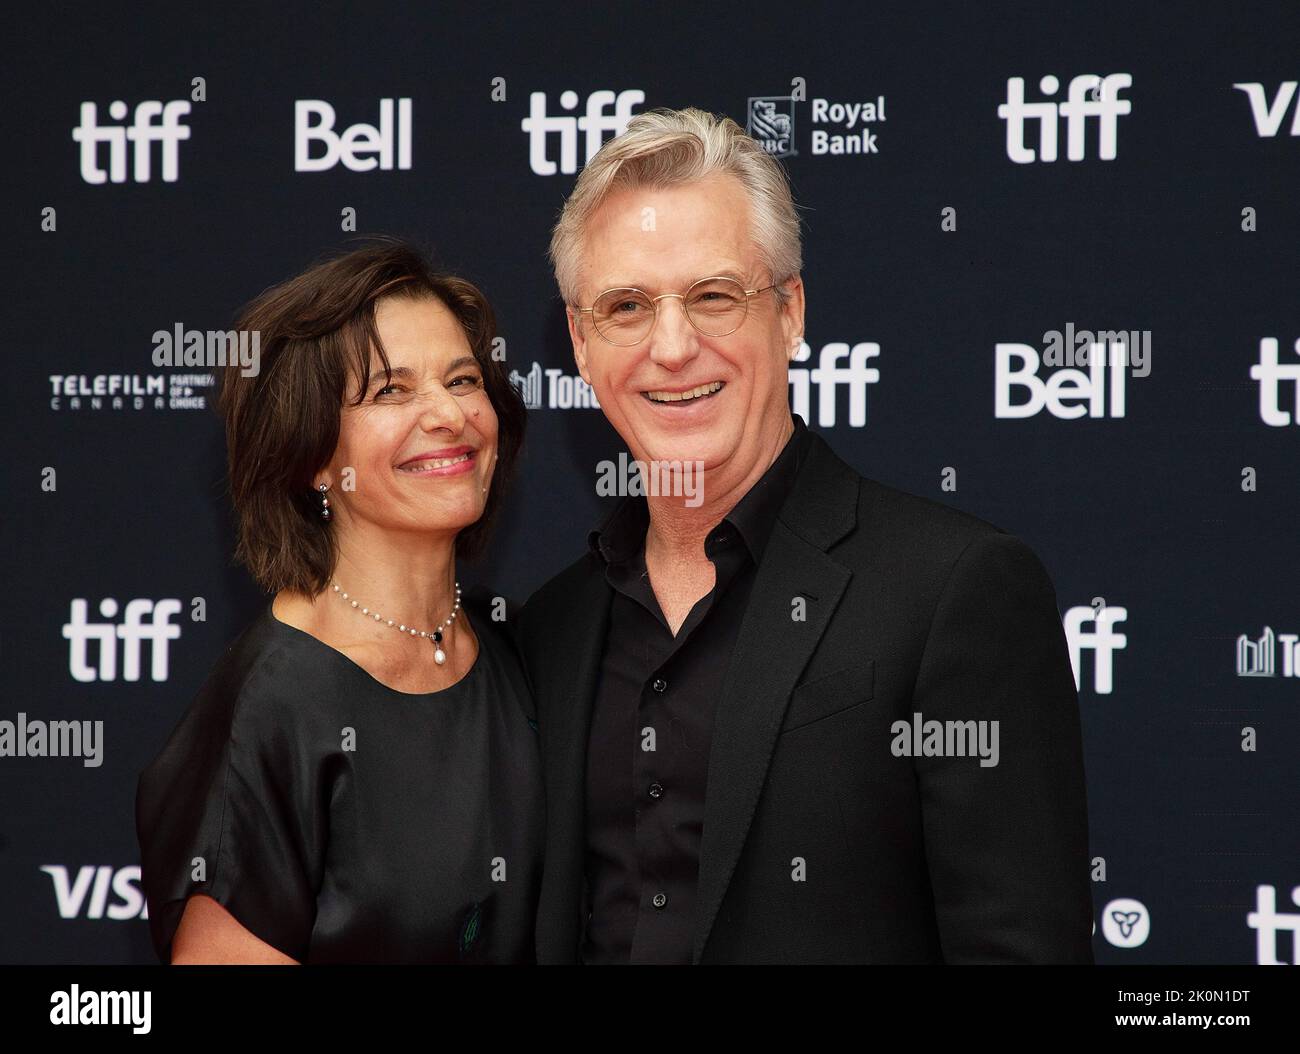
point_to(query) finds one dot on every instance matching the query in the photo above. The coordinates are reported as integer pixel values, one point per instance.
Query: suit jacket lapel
(771, 652)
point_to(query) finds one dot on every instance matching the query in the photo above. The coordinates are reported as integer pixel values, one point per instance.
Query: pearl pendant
(439, 656)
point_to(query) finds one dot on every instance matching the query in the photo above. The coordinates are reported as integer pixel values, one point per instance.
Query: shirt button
(660, 685)
(659, 900)
(656, 791)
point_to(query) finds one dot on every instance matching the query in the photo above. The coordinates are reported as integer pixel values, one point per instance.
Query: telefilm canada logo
(194, 353)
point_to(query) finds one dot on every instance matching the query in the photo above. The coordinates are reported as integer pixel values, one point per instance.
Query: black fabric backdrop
(1148, 510)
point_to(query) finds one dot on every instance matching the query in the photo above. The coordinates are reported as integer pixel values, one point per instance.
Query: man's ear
(792, 316)
(579, 343)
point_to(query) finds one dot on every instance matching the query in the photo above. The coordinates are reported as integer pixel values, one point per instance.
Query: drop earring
(324, 501)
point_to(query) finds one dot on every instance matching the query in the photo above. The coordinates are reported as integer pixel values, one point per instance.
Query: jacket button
(660, 685)
(659, 900)
(656, 791)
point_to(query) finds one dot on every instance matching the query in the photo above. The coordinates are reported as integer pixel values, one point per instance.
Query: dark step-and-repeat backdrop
(1051, 269)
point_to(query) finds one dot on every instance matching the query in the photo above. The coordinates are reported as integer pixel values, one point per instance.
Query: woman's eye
(467, 381)
(386, 389)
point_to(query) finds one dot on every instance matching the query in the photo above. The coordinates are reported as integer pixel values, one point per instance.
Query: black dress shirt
(652, 725)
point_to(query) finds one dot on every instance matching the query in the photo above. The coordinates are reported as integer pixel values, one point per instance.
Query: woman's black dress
(340, 820)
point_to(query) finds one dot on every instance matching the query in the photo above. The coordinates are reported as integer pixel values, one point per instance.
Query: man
(728, 681)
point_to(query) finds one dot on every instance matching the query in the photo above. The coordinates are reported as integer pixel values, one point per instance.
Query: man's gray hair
(666, 148)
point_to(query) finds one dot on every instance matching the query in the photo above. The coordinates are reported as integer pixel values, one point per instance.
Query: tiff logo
(1089, 96)
(142, 133)
(1269, 117)
(596, 122)
(132, 630)
(828, 376)
(1256, 658)
(1102, 640)
(1270, 373)
(1267, 923)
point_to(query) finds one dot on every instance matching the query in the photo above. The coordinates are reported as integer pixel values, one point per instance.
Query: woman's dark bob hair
(282, 424)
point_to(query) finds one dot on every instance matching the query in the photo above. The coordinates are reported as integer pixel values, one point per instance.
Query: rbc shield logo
(771, 124)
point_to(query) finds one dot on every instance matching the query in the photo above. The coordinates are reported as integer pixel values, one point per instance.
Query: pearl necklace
(435, 635)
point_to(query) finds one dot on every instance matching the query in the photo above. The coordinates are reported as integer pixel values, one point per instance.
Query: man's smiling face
(737, 404)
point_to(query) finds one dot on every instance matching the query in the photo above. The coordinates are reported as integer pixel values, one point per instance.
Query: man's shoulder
(890, 518)
(925, 540)
(902, 514)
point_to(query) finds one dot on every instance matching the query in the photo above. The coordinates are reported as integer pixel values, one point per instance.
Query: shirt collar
(753, 518)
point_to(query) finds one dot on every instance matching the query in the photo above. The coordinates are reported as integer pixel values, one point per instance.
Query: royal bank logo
(771, 124)
(1258, 657)
(553, 389)
(839, 128)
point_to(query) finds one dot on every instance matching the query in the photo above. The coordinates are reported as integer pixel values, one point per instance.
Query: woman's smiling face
(422, 442)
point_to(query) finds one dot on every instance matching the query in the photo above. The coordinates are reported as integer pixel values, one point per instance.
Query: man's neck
(677, 531)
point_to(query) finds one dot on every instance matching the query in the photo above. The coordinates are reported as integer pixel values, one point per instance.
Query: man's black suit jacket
(819, 843)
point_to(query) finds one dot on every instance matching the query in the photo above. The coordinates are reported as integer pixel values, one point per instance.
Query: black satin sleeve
(233, 808)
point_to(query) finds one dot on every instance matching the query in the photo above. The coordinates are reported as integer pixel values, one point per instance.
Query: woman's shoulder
(265, 672)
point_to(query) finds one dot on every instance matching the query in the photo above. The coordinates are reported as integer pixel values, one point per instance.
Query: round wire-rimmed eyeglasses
(715, 306)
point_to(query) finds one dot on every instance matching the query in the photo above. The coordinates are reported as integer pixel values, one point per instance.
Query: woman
(358, 780)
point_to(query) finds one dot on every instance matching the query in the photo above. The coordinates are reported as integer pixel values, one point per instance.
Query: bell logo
(1064, 393)
(79, 631)
(314, 122)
